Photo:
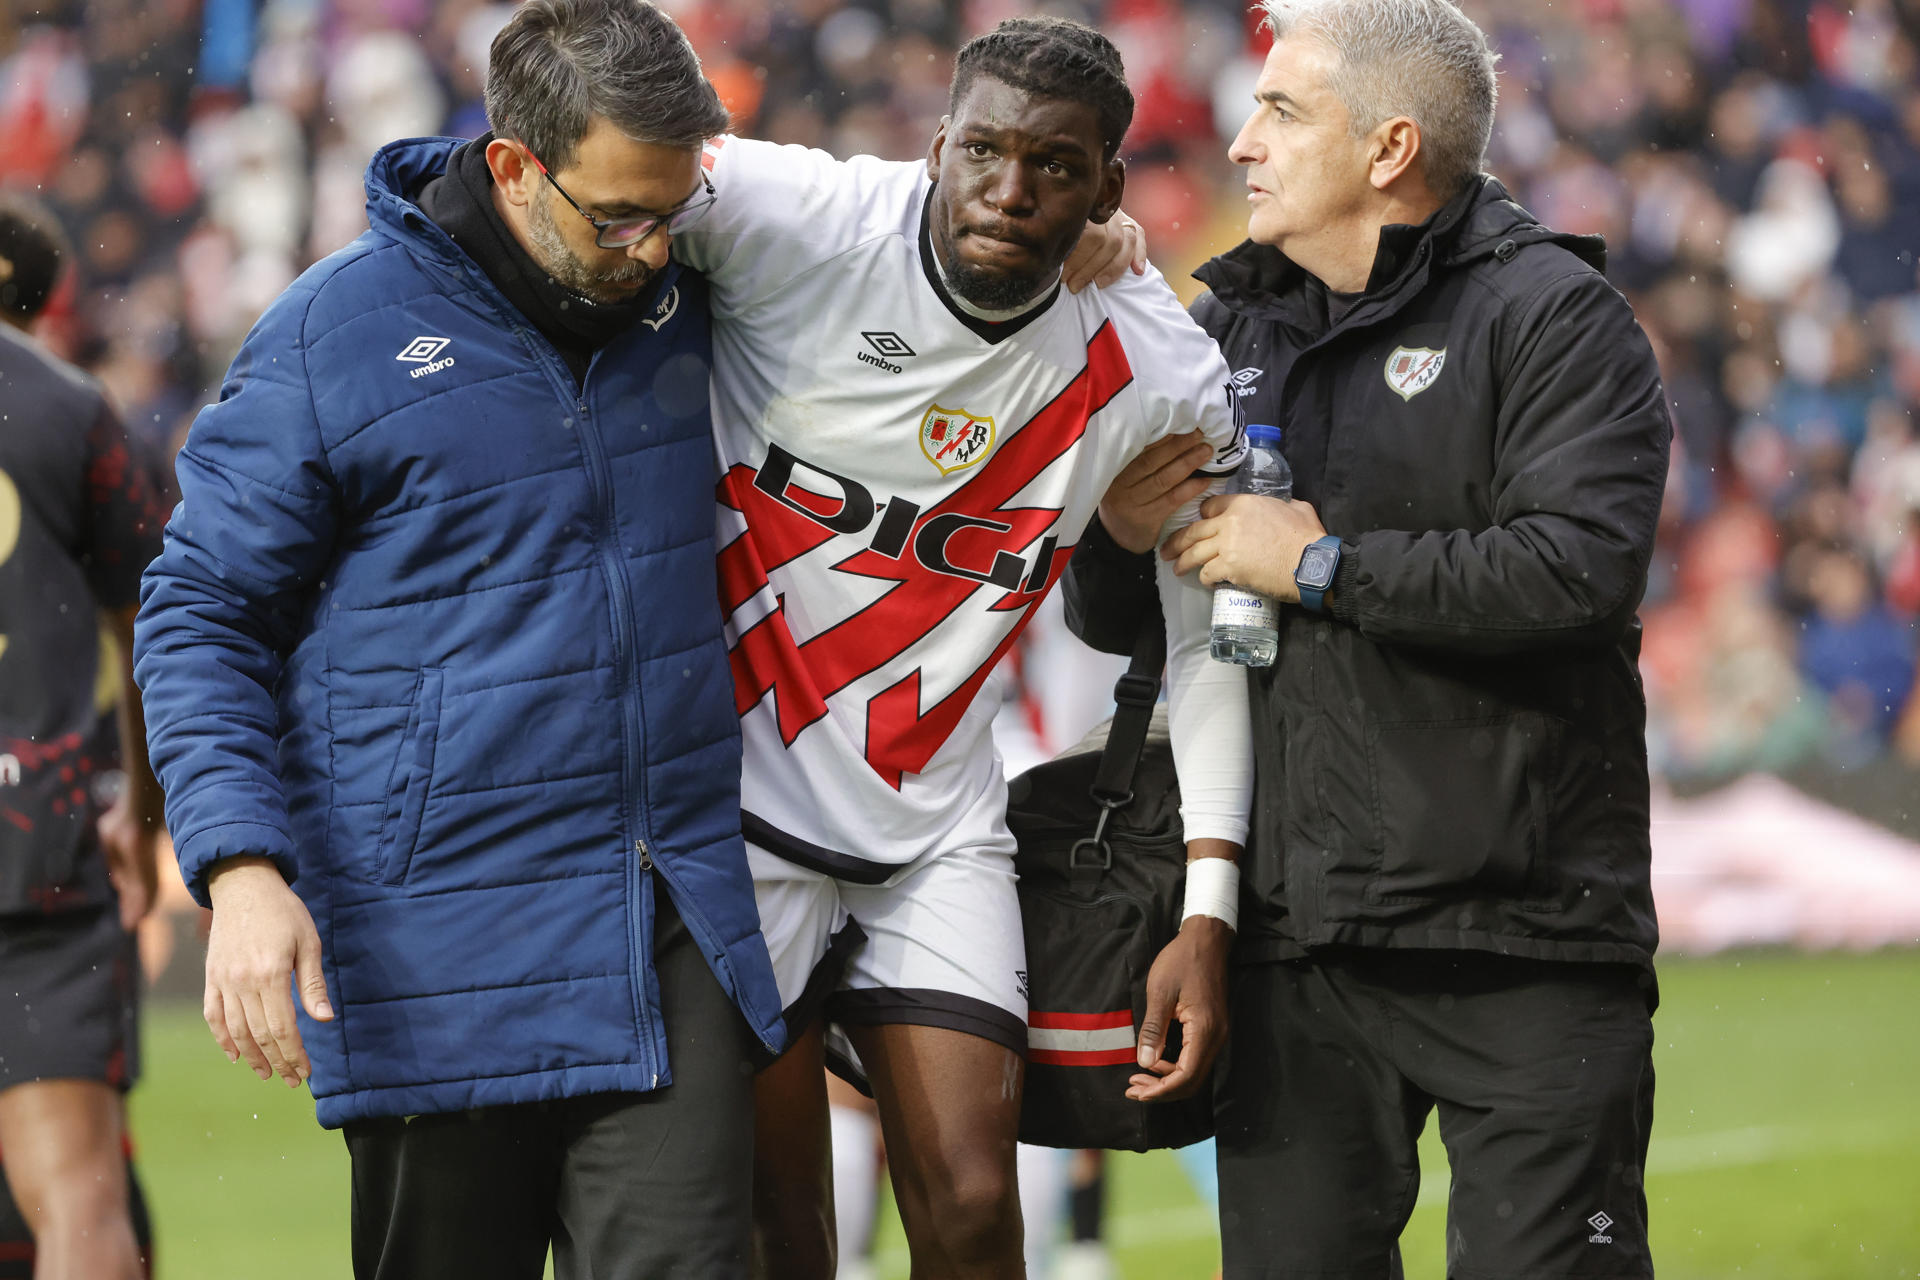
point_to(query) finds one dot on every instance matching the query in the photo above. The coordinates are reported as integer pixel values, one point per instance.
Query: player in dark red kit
(81, 509)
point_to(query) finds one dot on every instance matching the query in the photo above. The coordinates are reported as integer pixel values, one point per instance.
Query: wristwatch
(1318, 563)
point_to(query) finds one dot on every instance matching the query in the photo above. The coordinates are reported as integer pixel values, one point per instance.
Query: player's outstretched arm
(263, 941)
(1213, 754)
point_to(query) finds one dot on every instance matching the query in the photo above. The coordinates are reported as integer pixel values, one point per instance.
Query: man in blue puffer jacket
(435, 641)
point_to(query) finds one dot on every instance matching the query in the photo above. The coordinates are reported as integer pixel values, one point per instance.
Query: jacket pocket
(408, 784)
(1460, 806)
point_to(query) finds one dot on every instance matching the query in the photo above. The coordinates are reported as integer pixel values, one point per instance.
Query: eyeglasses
(624, 233)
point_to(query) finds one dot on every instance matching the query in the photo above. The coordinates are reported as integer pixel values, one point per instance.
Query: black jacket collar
(1483, 221)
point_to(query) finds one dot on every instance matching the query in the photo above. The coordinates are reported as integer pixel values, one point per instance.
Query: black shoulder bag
(1103, 869)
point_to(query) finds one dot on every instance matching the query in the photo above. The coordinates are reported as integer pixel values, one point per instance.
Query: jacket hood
(1490, 216)
(1481, 222)
(395, 176)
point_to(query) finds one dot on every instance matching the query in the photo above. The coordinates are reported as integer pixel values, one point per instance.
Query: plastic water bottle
(1245, 623)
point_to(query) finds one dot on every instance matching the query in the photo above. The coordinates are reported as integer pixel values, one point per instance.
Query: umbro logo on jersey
(887, 344)
(1243, 380)
(954, 439)
(425, 352)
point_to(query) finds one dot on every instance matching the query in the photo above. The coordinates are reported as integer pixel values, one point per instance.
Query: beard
(994, 290)
(566, 267)
(989, 290)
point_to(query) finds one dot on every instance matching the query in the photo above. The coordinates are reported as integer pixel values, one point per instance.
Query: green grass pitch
(1786, 1143)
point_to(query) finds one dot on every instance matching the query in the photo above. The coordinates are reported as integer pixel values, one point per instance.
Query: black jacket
(1456, 756)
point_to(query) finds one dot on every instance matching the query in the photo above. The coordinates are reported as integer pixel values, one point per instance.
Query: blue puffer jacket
(440, 636)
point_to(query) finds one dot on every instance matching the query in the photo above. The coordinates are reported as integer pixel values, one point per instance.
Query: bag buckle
(1101, 859)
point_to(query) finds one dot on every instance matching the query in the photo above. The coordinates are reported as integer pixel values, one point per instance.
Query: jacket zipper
(702, 934)
(627, 666)
(620, 605)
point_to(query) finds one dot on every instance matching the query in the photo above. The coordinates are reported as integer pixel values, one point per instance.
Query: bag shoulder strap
(1134, 695)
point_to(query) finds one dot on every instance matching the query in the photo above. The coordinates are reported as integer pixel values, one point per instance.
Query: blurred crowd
(1753, 164)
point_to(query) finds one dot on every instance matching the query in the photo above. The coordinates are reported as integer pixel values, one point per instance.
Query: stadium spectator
(1449, 868)
(1713, 92)
(435, 673)
(81, 506)
(1855, 649)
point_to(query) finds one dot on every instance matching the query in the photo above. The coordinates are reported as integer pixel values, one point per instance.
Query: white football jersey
(902, 483)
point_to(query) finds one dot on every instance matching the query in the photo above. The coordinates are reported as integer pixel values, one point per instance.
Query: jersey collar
(990, 330)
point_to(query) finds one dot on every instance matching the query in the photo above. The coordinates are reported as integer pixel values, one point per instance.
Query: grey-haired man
(1447, 901)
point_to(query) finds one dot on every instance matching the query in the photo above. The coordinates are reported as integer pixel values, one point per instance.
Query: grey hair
(1423, 59)
(558, 63)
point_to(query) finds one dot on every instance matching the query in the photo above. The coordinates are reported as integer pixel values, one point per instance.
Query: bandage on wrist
(1213, 889)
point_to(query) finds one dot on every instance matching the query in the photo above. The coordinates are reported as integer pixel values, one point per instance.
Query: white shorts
(942, 944)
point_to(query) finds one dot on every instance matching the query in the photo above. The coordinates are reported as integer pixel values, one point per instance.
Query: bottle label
(1234, 607)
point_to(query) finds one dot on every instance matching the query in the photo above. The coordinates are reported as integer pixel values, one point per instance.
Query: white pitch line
(1188, 1222)
(1722, 1150)
(1734, 1147)
(1684, 1153)
(1687, 1153)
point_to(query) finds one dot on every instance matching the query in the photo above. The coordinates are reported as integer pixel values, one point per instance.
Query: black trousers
(1542, 1075)
(624, 1186)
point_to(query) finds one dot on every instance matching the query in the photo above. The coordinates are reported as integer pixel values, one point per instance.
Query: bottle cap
(1263, 433)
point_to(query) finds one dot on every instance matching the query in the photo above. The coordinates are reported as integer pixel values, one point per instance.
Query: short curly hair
(1053, 58)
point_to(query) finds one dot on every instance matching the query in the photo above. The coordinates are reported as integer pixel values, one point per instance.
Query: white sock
(1043, 1196)
(856, 1182)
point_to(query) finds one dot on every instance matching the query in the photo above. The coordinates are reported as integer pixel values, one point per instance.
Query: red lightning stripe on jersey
(900, 739)
(775, 534)
(765, 656)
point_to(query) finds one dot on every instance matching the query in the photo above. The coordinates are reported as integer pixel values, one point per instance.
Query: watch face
(1316, 567)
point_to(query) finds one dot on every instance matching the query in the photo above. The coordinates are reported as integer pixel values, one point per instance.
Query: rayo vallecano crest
(954, 439)
(1411, 370)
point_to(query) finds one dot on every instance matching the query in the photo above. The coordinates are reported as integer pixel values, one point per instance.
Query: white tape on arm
(1213, 889)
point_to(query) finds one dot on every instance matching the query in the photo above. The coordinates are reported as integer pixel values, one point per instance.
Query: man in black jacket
(1446, 901)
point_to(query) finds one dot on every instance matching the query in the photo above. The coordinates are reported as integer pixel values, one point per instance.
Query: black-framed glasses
(624, 233)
